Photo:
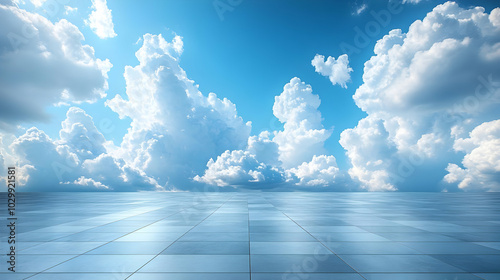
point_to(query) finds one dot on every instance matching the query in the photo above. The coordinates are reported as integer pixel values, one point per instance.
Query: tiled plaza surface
(259, 236)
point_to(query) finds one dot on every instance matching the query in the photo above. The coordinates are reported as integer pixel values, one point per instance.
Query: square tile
(473, 263)
(131, 248)
(207, 248)
(397, 263)
(198, 263)
(287, 263)
(103, 263)
(279, 248)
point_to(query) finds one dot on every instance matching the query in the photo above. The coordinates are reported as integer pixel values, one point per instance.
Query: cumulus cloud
(175, 129)
(293, 156)
(337, 70)
(239, 168)
(44, 64)
(482, 160)
(77, 161)
(258, 164)
(100, 20)
(80, 134)
(422, 90)
(303, 135)
(320, 171)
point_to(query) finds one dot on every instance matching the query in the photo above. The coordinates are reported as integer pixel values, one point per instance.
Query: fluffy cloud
(293, 156)
(38, 3)
(320, 171)
(422, 90)
(68, 10)
(258, 164)
(303, 135)
(175, 129)
(100, 20)
(239, 168)
(80, 134)
(337, 70)
(482, 160)
(77, 161)
(44, 64)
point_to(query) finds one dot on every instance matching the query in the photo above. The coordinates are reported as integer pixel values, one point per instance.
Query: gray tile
(309, 276)
(397, 263)
(103, 263)
(150, 236)
(190, 276)
(14, 275)
(215, 236)
(207, 248)
(416, 236)
(80, 276)
(489, 276)
(494, 245)
(391, 235)
(370, 248)
(281, 236)
(131, 248)
(287, 263)
(197, 263)
(420, 276)
(473, 263)
(348, 236)
(64, 248)
(35, 263)
(433, 248)
(278, 248)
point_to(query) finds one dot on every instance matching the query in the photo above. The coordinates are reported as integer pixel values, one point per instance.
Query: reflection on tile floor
(255, 236)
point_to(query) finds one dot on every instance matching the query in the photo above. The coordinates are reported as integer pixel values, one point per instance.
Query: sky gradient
(251, 95)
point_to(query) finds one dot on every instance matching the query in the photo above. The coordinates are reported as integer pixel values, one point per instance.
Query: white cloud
(395, 37)
(303, 135)
(495, 17)
(294, 155)
(38, 3)
(320, 171)
(337, 70)
(68, 10)
(2, 166)
(80, 134)
(100, 20)
(359, 10)
(422, 90)
(114, 172)
(44, 64)
(368, 149)
(89, 182)
(259, 163)
(175, 129)
(238, 168)
(75, 162)
(482, 160)
(412, 1)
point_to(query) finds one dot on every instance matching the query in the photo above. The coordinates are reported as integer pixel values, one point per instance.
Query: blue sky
(249, 52)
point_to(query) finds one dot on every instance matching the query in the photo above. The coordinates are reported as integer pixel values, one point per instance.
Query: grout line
(180, 237)
(183, 209)
(316, 239)
(249, 242)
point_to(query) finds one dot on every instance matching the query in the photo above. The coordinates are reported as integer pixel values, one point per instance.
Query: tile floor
(257, 236)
